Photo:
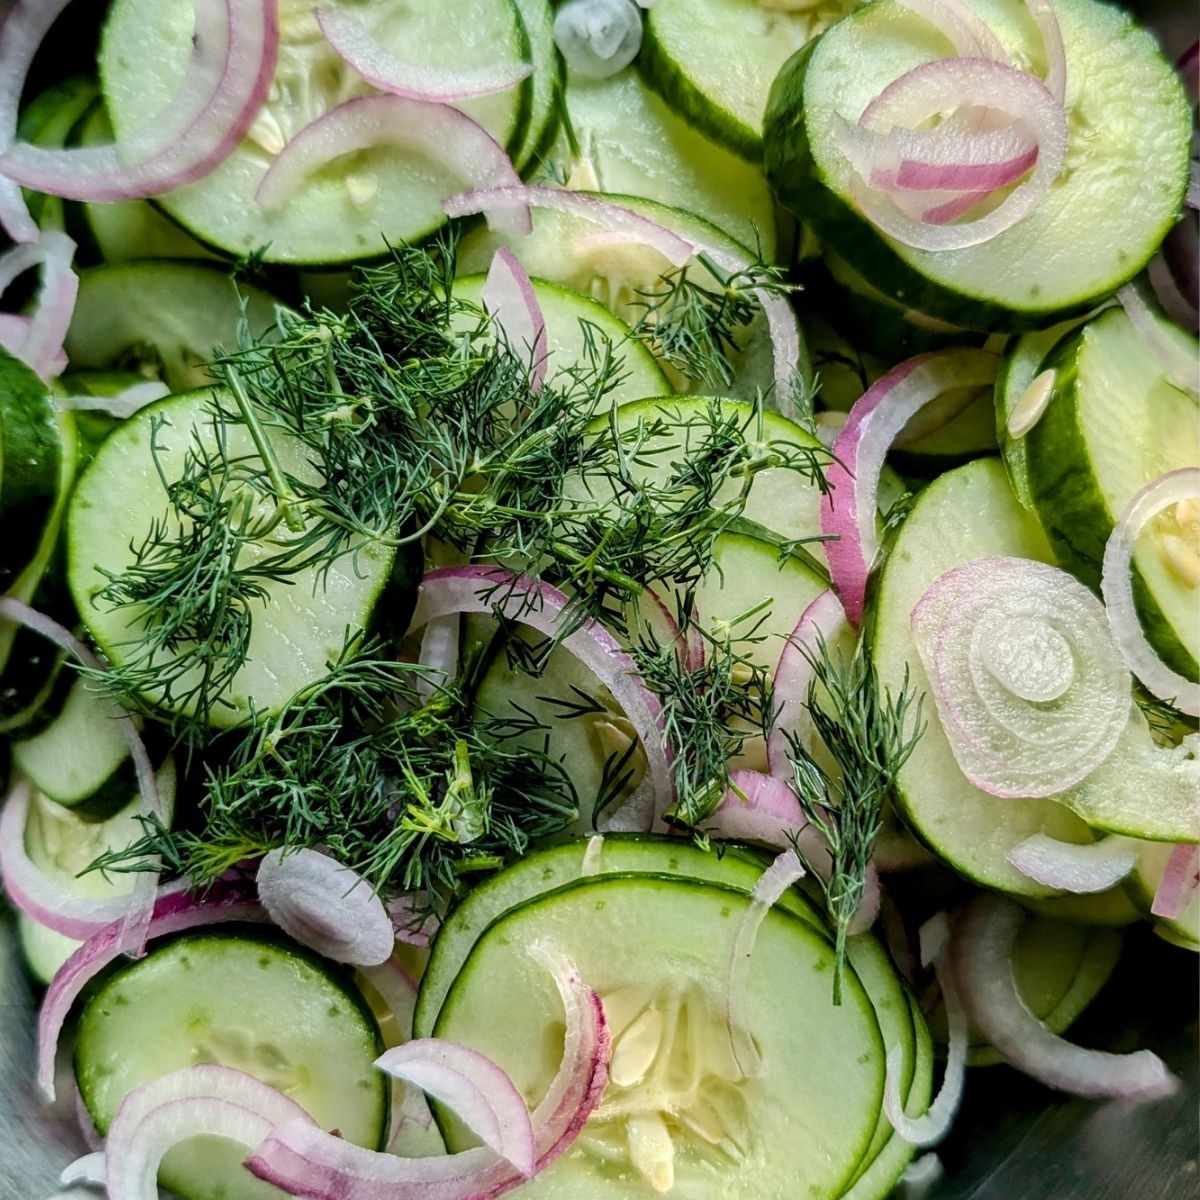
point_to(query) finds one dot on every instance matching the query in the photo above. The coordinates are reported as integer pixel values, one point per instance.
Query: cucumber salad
(597, 599)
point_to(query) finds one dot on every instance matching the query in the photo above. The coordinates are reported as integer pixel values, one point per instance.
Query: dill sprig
(869, 733)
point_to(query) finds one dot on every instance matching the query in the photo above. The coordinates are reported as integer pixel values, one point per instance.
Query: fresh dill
(869, 734)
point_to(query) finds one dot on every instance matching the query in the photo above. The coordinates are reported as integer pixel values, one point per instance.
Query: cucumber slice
(966, 514)
(304, 622)
(1059, 968)
(1113, 425)
(713, 60)
(347, 211)
(547, 82)
(1113, 908)
(31, 465)
(565, 312)
(217, 997)
(1126, 168)
(162, 319)
(81, 760)
(664, 943)
(62, 844)
(1184, 929)
(635, 144)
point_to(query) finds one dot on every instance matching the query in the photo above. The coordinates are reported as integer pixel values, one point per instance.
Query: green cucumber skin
(802, 188)
(659, 71)
(1069, 506)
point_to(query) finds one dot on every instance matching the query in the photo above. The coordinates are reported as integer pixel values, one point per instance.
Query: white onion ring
(509, 298)
(437, 130)
(1080, 870)
(1028, 682)
(848, 510)
(1116, 586)
(388, 72)
(966, 31)
(982, 956)
(325, 906)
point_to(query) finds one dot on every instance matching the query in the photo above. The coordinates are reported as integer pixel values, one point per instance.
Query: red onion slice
(982, 958)
(413, 920)
(307, 1162)
(1081, 870)
(40, 344)
(325, 906)
(531, 602)
(381, 68)
(1116, 586)
(772, 884)
(1179, 366)
(446, 135)
(509, 298)
(173, 912)
(824, 620)
(932, 1127)
(235, 53)
(479, 1092)
(141, 902)
(970, 36)
(1179, 883)
(1027, 679)
(848, 511)
(948, 85)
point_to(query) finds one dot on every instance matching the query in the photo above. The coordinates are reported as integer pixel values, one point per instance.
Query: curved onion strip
(823, 620)
(413, 920)
(443, 133)
(848, 510)
(951, 83)
(636, 814)
(763, 809)
(675, 249)
(1116, 586)
(124, 404)
(14, 329)
(540, 606)
(593, 856)
(88, 1169)
(1169, 292)
(932, 1127)
(966, 31)
(173, 912)
(1179, 366)
(1028, 681)
(37, 894)
(474, 1088)
(772, 884)
(236, 49)
(141, 900)
(40, 343)
(1052, 47)
(325, 906)
(690, 644)
(1067, 867)
(347, 34)
(203, 1099)
(982, 957)
(307, 1162)
(509, 298)
(397, 989)
(439, 652)
(1180, 880)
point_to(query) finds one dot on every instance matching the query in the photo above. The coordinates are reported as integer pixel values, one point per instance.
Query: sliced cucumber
(714, 60)
(217, 997)
(346, 211)
(304, 622)
(1113, 425)
(566, 314)
(1129, 136)
(1113, 908)
(163, 319)
(62, 844)
(967, 513)
(689, 1119)
(635, 144)
(81, 759)
(547, 83)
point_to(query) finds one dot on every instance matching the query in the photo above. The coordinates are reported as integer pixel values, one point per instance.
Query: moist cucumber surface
(218, 997)
(1129, 131)
(345, 211)
(688, 1116)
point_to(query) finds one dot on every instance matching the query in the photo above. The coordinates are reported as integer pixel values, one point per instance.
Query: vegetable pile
(585, 587)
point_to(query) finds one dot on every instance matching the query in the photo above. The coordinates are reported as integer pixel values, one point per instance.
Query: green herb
(869, 734)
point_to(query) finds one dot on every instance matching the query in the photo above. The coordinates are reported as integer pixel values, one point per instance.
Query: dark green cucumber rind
(30, 460)
(32, 696)
(662, 73)
(543, 123)
(1070, 507)
(801, 186)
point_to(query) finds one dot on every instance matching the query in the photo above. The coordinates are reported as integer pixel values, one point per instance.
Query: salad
(596, 599)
